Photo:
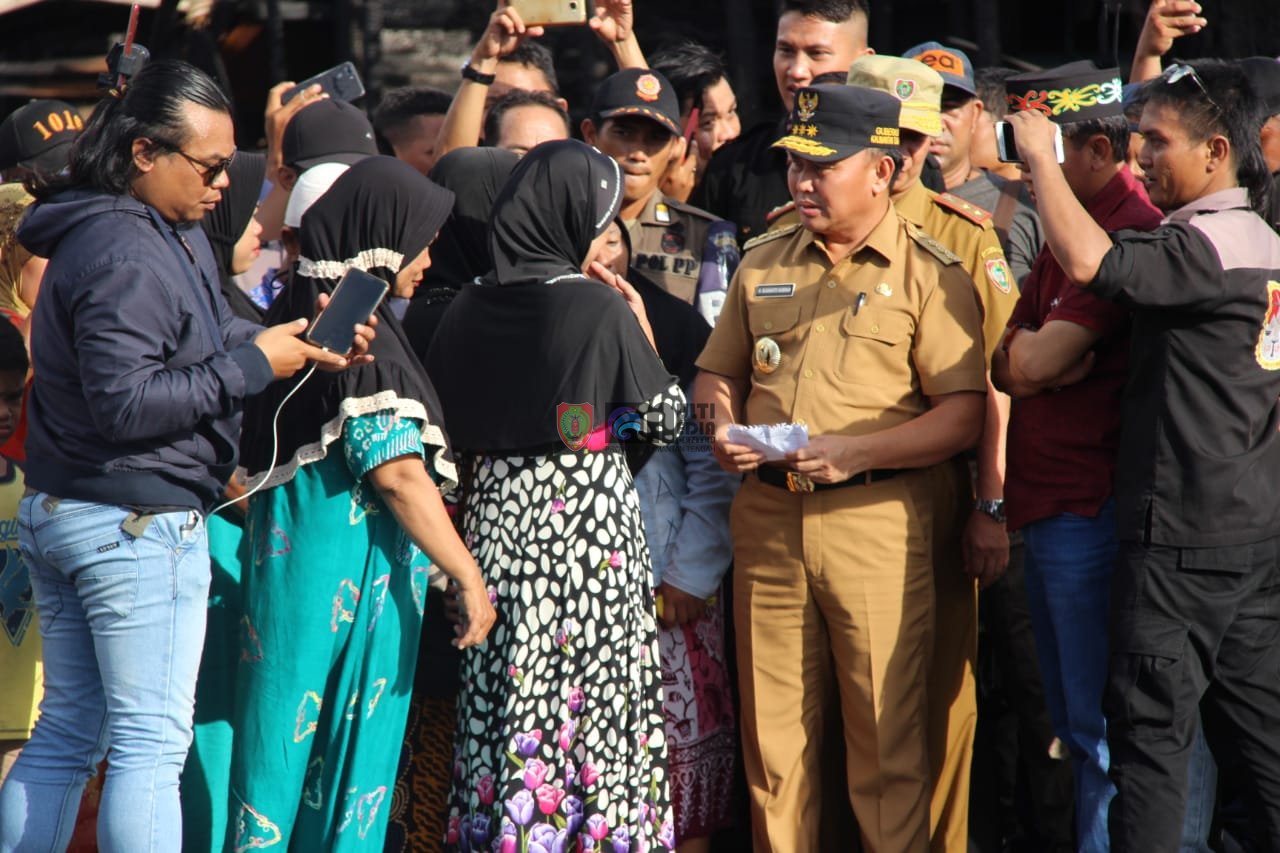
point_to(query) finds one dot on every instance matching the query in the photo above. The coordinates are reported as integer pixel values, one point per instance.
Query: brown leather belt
(799, 483)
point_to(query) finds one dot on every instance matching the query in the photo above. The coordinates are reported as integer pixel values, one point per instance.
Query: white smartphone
(1007, 147)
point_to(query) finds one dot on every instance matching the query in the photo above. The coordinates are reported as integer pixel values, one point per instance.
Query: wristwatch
(992, 508)
(469, 73)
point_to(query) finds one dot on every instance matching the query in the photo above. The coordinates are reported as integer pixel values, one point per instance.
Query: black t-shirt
(1199, 447)
(745, 180)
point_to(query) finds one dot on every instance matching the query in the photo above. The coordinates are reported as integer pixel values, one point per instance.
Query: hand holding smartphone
(1007, 146)
(341, 82)
(550, 13)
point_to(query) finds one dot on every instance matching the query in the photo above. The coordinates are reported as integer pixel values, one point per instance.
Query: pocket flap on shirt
(772, 319)
(885, 326)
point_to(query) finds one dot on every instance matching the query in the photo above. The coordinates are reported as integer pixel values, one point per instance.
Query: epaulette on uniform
(932, 246)
(761, 239)
(969, 211)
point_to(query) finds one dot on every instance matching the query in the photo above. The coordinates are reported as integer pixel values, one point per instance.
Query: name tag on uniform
(775, 291)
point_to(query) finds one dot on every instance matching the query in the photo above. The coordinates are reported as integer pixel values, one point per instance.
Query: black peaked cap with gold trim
(830, 123)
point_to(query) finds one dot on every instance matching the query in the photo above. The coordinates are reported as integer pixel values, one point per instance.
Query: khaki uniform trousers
(953, 700)
(834, 590)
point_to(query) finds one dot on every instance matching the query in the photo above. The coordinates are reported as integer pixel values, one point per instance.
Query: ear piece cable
(275, 444)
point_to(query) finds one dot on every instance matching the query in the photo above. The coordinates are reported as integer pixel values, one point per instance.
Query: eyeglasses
(1178, 72)
(208, 172)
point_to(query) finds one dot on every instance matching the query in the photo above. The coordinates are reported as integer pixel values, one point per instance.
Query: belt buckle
(798, 483)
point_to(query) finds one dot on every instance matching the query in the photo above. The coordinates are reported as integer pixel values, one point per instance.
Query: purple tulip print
(520, 807)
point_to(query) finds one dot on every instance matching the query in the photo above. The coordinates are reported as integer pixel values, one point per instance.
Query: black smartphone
(340, 81)
(1007, 146)
(354, 299)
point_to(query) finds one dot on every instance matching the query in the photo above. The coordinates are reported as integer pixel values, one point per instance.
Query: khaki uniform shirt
(863, 343)
(686, 251)
(967, 232)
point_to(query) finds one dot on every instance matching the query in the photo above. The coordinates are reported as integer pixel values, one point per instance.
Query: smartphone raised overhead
(353, 301)
(551, 13)
(340, 81)
(1007, 146)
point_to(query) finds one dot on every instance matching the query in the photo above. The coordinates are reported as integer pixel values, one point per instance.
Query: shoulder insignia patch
(968, 210)
(780, 210)
(932, 246)
(766, 237)
(1000, 275)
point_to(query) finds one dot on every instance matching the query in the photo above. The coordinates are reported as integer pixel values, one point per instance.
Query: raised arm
(464, 122)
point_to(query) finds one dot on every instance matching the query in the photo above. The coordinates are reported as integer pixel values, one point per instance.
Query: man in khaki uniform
(686, 251)
(971, 541)
(866, 331)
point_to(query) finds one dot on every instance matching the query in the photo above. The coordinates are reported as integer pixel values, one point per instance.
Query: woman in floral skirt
(560, 742)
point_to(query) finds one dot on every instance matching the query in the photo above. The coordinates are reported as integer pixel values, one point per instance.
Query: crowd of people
(904, 456)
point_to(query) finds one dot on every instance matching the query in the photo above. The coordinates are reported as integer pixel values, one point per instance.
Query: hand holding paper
(775, 441)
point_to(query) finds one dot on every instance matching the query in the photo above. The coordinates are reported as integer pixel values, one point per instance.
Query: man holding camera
(1064, 358)
(1196, 591)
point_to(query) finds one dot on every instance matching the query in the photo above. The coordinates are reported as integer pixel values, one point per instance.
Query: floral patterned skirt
(702, 741)
(560, 743)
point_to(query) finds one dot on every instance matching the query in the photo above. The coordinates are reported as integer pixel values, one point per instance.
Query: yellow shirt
(967, 232)
(21, 674)
(862, 343)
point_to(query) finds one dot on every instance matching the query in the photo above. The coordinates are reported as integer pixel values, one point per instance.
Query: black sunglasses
(208, 172)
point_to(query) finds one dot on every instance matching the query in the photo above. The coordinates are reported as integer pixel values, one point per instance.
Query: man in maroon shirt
(1064, 360)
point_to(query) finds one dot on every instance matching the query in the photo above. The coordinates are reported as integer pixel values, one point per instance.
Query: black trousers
(1192, 628)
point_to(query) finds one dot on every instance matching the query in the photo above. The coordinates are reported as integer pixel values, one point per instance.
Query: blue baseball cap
(951, 62)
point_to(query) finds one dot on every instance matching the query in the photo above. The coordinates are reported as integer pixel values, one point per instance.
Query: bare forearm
(954, 424)
(991, 447)
(1076, 240)
(1004, 379)
(464, 121)
(627, 53)
(414, 500)
(717, 399)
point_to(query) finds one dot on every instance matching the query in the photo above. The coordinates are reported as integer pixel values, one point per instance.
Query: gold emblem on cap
(648, 88)
(806, 105)
(768, 355)
(884, 289)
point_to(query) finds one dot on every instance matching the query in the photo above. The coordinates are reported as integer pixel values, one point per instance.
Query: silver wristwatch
(992, 508)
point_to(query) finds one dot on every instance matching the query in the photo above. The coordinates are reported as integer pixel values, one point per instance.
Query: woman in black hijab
(461, 252)
(233, 232)
(560, 727)
(343, 539)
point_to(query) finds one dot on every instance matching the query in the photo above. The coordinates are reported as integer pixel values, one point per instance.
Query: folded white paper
(775, 441)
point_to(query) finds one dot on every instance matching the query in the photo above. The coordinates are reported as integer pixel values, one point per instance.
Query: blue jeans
(1069, 563)
(122, 616)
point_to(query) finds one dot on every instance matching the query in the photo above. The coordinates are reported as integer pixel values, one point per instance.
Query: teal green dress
(333, 599)
(205, 776)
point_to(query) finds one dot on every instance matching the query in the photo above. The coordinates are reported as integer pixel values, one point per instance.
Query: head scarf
(461, 253)
(476, 176)
(14, 201)
(551, 209)
(506, 357)
(225, 225)
(379, 215)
